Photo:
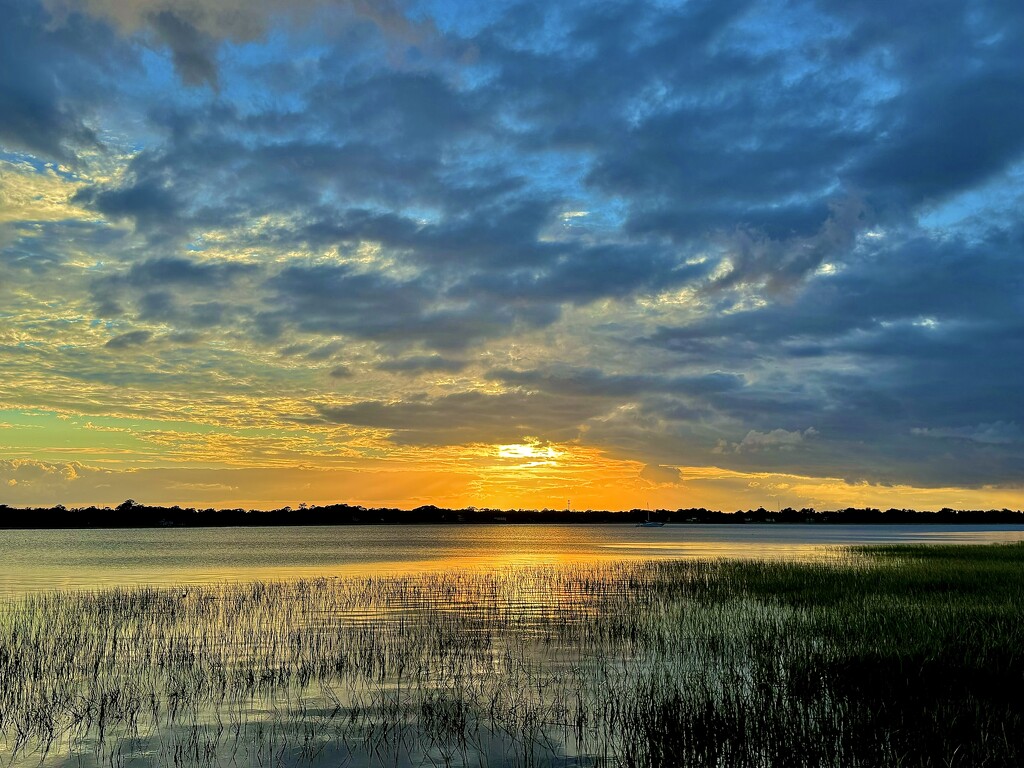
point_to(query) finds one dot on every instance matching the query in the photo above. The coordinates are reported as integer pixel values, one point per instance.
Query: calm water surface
(46, 560)
(500, 665)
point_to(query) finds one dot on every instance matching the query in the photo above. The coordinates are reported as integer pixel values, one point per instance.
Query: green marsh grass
(885, 656)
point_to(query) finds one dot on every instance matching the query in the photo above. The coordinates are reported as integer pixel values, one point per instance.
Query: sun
(532, 454)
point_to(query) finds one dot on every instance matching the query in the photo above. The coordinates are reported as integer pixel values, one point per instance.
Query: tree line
(132, 514)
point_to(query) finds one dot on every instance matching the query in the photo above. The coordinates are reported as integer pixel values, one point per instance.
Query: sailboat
(648, 523)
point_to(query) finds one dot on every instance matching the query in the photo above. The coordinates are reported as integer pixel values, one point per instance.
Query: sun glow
(531, 454)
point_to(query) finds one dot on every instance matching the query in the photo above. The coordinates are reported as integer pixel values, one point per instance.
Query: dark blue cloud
(918, 336)
(468, 417)
(184, 293)
(54, 80)
(129, 339)
(423, 364)
(176, 270)
(592, 382)
(330, 299)
(194, 52)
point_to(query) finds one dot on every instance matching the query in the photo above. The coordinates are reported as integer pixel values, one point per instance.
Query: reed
(894, 656)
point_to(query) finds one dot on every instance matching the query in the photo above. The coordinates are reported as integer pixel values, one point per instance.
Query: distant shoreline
(131, 514)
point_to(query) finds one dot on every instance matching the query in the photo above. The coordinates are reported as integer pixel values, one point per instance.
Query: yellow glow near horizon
(61, 458)
(532, 454)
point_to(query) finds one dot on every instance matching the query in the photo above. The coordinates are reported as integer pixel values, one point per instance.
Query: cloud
(193, 30)
(753, 257)
(660, 475)
(341, 372)
(468, 417)
(590, 382)
(181, 292)
(194, 52)
(776, 440)
(996, 433)
(129, 339)
(52, 481)
(423, 364)
(955, 113)
(53, 81)
(330, 299)
(153, 206)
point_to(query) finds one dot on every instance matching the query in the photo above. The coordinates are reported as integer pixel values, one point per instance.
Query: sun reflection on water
(43, 560)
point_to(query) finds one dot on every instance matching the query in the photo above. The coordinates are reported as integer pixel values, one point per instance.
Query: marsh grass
(891, 656)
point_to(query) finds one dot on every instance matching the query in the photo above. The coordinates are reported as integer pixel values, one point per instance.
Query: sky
(512, 254)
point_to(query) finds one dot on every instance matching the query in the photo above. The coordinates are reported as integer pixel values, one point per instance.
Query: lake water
(468, 657)
(36, 560)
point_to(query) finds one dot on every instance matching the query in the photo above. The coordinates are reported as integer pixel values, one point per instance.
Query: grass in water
(883, 656)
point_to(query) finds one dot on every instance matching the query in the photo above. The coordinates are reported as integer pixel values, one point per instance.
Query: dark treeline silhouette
(131, 514)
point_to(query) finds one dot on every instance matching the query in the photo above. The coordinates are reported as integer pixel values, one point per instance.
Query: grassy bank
(894, 656)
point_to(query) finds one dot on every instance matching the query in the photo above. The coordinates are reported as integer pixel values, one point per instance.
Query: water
(37, 560)
(468, 657)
